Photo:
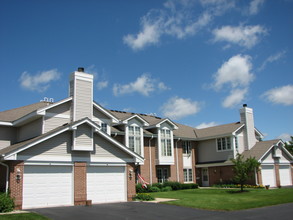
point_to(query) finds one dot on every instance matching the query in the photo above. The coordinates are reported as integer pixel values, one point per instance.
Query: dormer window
(134, 138)
(166, 147)
(104, 127)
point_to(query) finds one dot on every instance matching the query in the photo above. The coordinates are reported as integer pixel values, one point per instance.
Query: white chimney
(81, 90)
(246, 117)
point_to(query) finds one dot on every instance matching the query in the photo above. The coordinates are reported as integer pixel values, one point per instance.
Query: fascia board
(214, 137)
(234, 132)
(145, 123)
(114, 119)
(4, 123)
(42, 110)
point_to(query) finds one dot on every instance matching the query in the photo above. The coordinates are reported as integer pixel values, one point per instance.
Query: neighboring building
(75, 151)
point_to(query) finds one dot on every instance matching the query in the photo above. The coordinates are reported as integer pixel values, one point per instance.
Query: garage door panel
(45, 186)
(268, 175)
(106, 184)
(285, 175)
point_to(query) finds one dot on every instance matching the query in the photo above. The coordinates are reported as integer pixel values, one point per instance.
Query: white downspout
(177, 168)
(150, 154)
(7, 173)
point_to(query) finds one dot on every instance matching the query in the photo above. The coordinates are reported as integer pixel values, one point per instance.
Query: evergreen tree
(289, 145)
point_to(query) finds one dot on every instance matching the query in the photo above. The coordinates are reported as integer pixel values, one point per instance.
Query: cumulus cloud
(144, 85)
(245, 36)
(235, 72)
(39, 82)
(235, 98)
(177, 108)
(254, 6)
(271, 59)
(206, 125)
(280, 95)
(102, 85)
(177, 19)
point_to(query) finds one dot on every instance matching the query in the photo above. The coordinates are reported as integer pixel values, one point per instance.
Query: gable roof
(14, 149)
(219, 130)
(17, 113)
(260, 149)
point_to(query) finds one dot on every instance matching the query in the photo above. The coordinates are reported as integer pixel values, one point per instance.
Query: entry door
(205, 177)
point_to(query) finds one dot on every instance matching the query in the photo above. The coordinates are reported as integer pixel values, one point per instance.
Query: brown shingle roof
(259, 149)
(16, 113)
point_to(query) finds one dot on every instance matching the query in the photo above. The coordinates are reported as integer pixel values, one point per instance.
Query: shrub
(140, 189)
(173, 185)
(189, 186)
(166, 189)
(144, 197)
(159, 185)
(153, 189)
(6, 203)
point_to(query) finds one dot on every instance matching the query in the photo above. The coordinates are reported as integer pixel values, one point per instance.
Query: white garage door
(268, 175)
(106, 184)
(285, 175)
(45, 186)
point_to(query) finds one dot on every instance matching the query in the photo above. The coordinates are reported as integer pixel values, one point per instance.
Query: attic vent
(46, 99)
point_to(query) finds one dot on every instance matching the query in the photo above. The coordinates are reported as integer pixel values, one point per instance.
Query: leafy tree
(289, 145)
(244, 169)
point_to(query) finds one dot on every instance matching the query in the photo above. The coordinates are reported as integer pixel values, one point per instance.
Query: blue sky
(194, 61)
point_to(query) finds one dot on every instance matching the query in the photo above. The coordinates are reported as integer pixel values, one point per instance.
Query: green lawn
(23, 216)
(227, 199)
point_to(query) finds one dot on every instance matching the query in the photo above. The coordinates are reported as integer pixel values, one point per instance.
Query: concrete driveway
(156, 211)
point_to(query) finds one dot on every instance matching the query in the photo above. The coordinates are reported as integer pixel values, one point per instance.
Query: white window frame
(186, 147)
(225, 144)
(166, 142)
(104, 127)
(188, 177)
(134, 139)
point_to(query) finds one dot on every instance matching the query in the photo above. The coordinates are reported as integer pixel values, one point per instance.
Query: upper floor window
(166, 148)
(134, 138)
(186, 145)
(104, 127)
(223, 144)
(236, 142)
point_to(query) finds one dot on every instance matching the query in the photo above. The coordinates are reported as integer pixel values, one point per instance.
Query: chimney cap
(244, 105)
(80, 69)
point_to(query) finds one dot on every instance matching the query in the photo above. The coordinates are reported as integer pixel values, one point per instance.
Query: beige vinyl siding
(30, 130)
(54, 122)
(7, 136)
(207, 152)
(83, 100)
(83, 136)
(98, 114)
(104, 148)
(63, 109)
(52, 149)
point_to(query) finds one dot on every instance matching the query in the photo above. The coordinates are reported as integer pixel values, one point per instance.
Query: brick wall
(80, 189)
(130, 175)
(16, 186)
(278, 183)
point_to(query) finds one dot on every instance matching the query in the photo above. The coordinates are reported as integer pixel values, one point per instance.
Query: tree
(244, 169)
(289, 145)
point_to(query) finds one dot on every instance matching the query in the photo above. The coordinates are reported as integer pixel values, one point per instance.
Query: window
(224, 144)
(186, 145)
(134, 139)
(162, 175)
(104, 127)
(166, 148)
(236, 142)
(187, 175)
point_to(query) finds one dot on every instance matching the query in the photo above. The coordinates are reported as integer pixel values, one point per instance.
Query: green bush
(166, 189)
(173, 185)
(144, 197)
(140, 189)
(153, 189)
(159, 185)
(189, 186)
(6, 203)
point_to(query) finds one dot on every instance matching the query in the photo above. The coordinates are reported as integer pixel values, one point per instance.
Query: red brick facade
(130, 175)
(80, 190)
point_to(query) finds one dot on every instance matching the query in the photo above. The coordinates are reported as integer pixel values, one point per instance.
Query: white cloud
(144, 85)
(206, 125)
(254, 6)
(102, 84)
(177, 108)
(245, 36)
(285, 137)
(39, 82)
(281, 95)
(179, 19)
(235, 98)
(271, 59)
(235, 72)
